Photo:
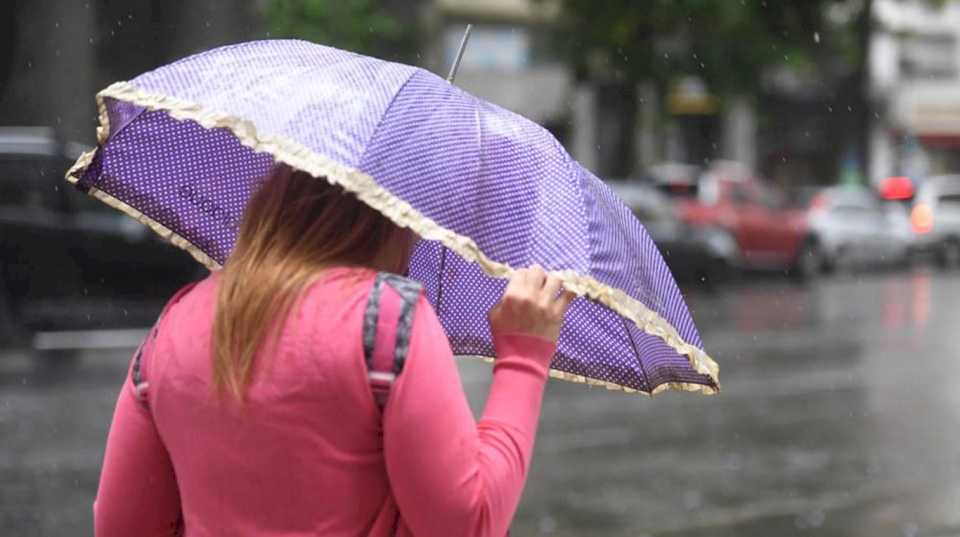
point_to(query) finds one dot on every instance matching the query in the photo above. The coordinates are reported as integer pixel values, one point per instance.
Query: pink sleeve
(138, 490)
(451, 475)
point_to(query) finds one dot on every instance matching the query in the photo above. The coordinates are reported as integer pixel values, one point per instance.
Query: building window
(928, 57)
(499, 47)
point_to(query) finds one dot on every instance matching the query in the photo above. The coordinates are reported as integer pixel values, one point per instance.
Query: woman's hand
(533, 304)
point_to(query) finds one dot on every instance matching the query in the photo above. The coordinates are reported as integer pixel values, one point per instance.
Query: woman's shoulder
(191, 300)
(362, 290)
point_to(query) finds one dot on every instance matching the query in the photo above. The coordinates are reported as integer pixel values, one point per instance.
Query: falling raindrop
(547, 524)
(692, 499)
(816, 37)
(813, 519)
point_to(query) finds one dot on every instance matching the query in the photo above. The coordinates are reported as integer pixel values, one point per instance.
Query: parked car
(935, 219)
(67, 260)
(703, 253)
(855, 229)
(769, 234)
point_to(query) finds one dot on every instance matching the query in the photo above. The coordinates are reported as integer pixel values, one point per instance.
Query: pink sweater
(308, 456)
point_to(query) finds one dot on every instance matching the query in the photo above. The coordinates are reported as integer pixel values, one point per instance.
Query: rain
(796, 165)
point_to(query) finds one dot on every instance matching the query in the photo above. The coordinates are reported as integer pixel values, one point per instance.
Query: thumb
(563, 301)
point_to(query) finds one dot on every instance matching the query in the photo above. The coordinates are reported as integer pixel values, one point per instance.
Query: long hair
(293, 227)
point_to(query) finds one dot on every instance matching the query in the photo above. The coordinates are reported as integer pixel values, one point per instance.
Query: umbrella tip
(456, 61)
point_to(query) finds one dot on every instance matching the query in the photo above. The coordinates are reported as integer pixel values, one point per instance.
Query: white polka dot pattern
(468, 165)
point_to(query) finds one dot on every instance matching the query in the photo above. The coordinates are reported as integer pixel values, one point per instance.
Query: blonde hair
(293, 227)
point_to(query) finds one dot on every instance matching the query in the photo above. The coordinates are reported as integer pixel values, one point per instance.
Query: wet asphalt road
(840, 415)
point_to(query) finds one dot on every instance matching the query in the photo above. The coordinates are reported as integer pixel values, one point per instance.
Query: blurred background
(798, 163)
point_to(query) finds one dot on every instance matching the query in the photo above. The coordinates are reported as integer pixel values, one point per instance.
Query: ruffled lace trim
(400, 212)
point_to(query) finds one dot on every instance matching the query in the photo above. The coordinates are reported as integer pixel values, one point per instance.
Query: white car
(935, 219)
(855, 229)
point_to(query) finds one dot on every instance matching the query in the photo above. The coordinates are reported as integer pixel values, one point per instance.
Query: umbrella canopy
(183, 147)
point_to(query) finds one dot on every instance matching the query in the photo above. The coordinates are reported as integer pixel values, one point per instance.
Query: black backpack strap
(387, 325)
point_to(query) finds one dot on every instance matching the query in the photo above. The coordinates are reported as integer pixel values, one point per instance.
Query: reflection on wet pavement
(839, 417)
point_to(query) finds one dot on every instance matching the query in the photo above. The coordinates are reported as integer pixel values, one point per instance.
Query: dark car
(702, 254)
(68, 261)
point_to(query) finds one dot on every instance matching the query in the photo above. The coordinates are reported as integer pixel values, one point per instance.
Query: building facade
(915, 83)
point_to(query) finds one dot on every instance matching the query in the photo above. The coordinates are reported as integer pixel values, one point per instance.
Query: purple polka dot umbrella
(181, 148)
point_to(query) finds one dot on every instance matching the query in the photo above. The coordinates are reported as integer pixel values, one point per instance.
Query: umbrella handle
(456, 61)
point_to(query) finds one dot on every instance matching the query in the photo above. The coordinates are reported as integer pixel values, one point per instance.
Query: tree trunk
(860, 100)
(616, 115)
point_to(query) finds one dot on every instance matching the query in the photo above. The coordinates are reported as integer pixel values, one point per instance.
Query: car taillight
(896, 188)
(921, 219)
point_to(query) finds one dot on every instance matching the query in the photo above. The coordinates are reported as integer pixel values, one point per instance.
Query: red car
(769, 234)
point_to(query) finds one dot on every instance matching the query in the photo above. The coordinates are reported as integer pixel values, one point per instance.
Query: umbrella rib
(443, 262)
(636, 352)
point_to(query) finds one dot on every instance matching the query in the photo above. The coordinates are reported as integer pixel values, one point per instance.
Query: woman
(249, 409)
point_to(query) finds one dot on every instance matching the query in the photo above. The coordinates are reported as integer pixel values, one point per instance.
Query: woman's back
(304, 452)
(310, 453)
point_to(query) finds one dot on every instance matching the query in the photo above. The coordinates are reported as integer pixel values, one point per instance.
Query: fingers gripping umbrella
(183, 147)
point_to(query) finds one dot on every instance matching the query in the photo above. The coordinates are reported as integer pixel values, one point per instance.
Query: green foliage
(363, 26)
(728, 43)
